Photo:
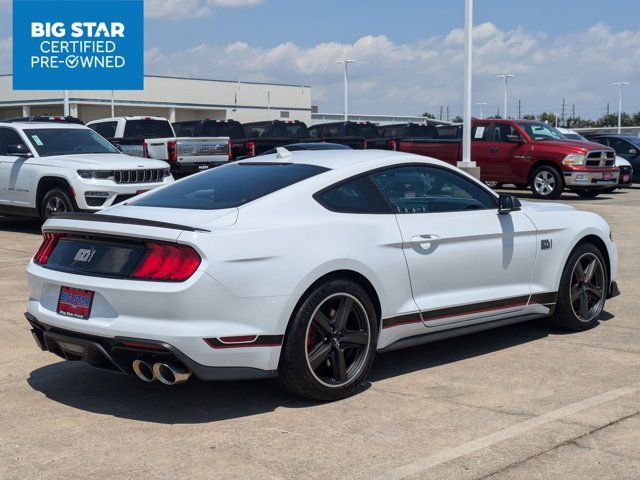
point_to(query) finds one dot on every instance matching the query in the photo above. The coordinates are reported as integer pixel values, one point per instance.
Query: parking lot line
(472, 446)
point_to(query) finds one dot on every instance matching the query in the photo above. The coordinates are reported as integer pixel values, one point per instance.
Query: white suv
(48, 168)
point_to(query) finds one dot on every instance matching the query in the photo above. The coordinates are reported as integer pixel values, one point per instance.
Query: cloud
(409, 78)
(181, 9)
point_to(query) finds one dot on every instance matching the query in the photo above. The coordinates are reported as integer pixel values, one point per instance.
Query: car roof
(41, 125)
(337, 159)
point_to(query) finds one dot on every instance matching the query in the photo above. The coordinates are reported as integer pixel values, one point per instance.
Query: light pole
(481, 104)
(506, 77)
(113, 104)
(345, 63)
(269, 92)
(65, 103)
(619, 85)
(467, 163)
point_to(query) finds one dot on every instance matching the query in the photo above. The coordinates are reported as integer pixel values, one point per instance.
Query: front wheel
(583, 290)
(331, 342)
(547, 182)
(55, 201)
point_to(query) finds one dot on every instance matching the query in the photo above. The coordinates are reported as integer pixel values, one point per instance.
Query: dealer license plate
(75, 302)
(607, 176)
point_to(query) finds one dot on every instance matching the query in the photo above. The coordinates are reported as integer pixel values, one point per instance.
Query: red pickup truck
(528, 154)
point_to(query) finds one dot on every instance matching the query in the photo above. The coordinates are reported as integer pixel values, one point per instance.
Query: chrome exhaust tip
(143, 370)
(171, 373)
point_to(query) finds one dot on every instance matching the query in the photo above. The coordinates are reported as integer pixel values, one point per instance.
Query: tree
(428, 115)
(529, 117)
(457, 119)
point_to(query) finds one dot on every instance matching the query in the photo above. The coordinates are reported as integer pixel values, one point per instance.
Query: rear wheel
(330, 345)
(546, 182)
(589, 193)
(583, 290)
(56, 201)
(493, 184)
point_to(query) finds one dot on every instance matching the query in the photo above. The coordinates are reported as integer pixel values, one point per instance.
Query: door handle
(425, 240)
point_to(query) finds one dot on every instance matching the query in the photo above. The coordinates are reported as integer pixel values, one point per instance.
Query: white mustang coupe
(304, 266)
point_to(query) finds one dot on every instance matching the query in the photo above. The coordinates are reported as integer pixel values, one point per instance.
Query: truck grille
(600, 158)
(149, 175)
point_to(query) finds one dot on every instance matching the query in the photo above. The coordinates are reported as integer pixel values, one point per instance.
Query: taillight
(174, 263)
(251, 149)
(230, 151)
(392, 145)
(48, 244)
(145, 150)
(172, 150)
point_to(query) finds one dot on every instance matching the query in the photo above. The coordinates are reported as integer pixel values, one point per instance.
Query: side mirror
(18, 151)
(514, 139)
(633, 151)
(507, 204)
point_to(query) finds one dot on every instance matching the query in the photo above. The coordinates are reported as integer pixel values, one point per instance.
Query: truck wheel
(546, 182)
(588, 193)
(56, 201)
(493, 184)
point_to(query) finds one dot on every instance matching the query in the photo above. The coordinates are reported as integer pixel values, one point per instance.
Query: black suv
(626, 146)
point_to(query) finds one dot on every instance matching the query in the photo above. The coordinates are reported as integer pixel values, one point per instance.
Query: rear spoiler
(91, 217)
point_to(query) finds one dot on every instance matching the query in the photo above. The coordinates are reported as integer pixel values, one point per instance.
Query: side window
(314, 132)
(8, 136)
(479, 132)
(622, 147)
(355, 196)
(425, 189)
(330, 130)
(501, 131)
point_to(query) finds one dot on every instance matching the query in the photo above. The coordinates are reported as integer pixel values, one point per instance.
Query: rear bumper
(114, 355)
(591, 179)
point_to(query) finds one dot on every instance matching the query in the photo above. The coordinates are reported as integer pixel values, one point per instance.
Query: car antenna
(282, 152)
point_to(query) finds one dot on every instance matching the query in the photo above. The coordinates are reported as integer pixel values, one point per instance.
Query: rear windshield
(292, 130)
(67, 141)
(148, 129)
(366, 130)
(229, 186)
(220, 129)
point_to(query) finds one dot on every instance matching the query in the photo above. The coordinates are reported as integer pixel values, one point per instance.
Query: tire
(546, 182)
(493, 184)
(568, 314)
(56, 200)
(589, 193)
(313, 338)
(521, 186)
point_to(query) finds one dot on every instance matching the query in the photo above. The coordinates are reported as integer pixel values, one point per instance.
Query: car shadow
(80, 386)
(20, 225)
(526, 194)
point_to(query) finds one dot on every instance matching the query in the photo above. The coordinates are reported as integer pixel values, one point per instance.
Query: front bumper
(592, 179)
(116, 354)
(95, 195)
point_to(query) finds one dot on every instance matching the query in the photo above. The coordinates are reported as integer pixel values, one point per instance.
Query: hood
(193, 218)
(104, 161)
(536, 207)
(577, 146)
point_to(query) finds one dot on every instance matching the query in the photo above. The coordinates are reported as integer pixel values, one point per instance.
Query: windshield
(147, 129)
(222, 129)
(67, 141)
(541, 131)
(229, 186)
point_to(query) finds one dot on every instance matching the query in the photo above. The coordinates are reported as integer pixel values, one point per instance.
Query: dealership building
(170, 97)
(181, 99)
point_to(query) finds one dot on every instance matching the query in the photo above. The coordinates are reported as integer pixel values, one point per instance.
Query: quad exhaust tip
(143, 370)
(171, 373)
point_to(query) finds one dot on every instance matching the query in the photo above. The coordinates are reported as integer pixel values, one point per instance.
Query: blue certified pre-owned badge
(78, 45)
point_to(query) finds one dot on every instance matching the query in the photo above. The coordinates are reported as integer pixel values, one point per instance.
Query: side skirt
(456, 332)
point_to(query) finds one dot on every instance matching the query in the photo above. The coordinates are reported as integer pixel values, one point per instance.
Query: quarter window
(355, 196)
(423, 189)
(8, 137)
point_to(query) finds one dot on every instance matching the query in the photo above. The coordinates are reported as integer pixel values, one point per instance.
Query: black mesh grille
(149, 175)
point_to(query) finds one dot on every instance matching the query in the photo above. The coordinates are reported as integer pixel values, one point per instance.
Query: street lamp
(268, 92)
(481, 104)
(506, 77)
(346, 62)
(619, 85)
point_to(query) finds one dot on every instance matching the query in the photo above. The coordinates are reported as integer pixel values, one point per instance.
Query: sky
(409, 53)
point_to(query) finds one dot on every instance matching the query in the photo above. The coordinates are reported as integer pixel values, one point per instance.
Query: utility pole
(346, 62)
(498, 115)
(269, 92)
(506, 77)
(113, 104)
(447, 113)
(519, 109)
(608, 113)
(562, 115)
(467, 163)
(440, 116)
(573, 112)
(619, 85)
